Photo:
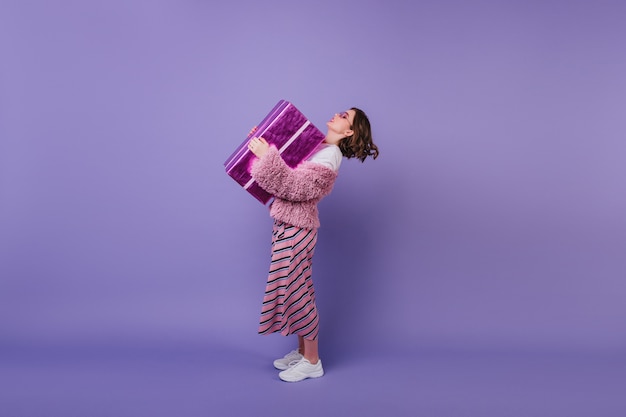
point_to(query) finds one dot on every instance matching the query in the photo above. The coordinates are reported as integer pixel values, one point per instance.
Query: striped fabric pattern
(289, 301)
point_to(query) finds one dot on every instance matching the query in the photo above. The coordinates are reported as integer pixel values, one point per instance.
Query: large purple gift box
(284, 127)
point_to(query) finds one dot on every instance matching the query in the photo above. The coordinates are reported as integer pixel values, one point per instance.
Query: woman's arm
(306, 182)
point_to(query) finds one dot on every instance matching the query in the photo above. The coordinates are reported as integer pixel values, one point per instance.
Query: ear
(348, 132)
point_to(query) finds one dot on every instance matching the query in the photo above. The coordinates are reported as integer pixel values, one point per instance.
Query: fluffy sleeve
(307, 181)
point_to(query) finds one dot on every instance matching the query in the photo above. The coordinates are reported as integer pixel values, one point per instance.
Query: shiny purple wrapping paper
(284, 127)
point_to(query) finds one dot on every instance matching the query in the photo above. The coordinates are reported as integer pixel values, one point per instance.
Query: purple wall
(493, 217)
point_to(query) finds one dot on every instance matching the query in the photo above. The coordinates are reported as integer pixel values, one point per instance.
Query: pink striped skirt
(289, 301)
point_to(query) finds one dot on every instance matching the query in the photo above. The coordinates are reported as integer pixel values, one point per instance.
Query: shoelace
(293, 354)
(295, 362)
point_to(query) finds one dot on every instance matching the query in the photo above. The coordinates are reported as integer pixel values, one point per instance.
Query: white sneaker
(302, 369)
(283, 363)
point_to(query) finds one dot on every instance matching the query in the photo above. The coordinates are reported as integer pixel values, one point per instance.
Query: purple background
(476, 268)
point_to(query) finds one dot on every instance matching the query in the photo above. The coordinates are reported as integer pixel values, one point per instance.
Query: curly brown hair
(360, 144)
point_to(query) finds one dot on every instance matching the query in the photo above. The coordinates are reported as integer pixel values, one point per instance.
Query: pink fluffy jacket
(296, 191)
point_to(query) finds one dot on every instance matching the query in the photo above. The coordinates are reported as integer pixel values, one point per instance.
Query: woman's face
(341, 123)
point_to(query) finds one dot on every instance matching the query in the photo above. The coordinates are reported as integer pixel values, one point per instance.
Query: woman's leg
(301, 345)
(310, 350)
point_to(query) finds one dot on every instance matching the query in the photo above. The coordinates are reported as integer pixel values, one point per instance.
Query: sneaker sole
(313, 375)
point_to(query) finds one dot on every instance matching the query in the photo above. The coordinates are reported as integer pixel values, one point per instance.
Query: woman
(289, 302)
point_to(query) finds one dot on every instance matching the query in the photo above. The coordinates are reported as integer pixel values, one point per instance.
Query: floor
(217, 379)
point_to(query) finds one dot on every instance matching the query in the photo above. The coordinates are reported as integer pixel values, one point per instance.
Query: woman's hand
(258, 146)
